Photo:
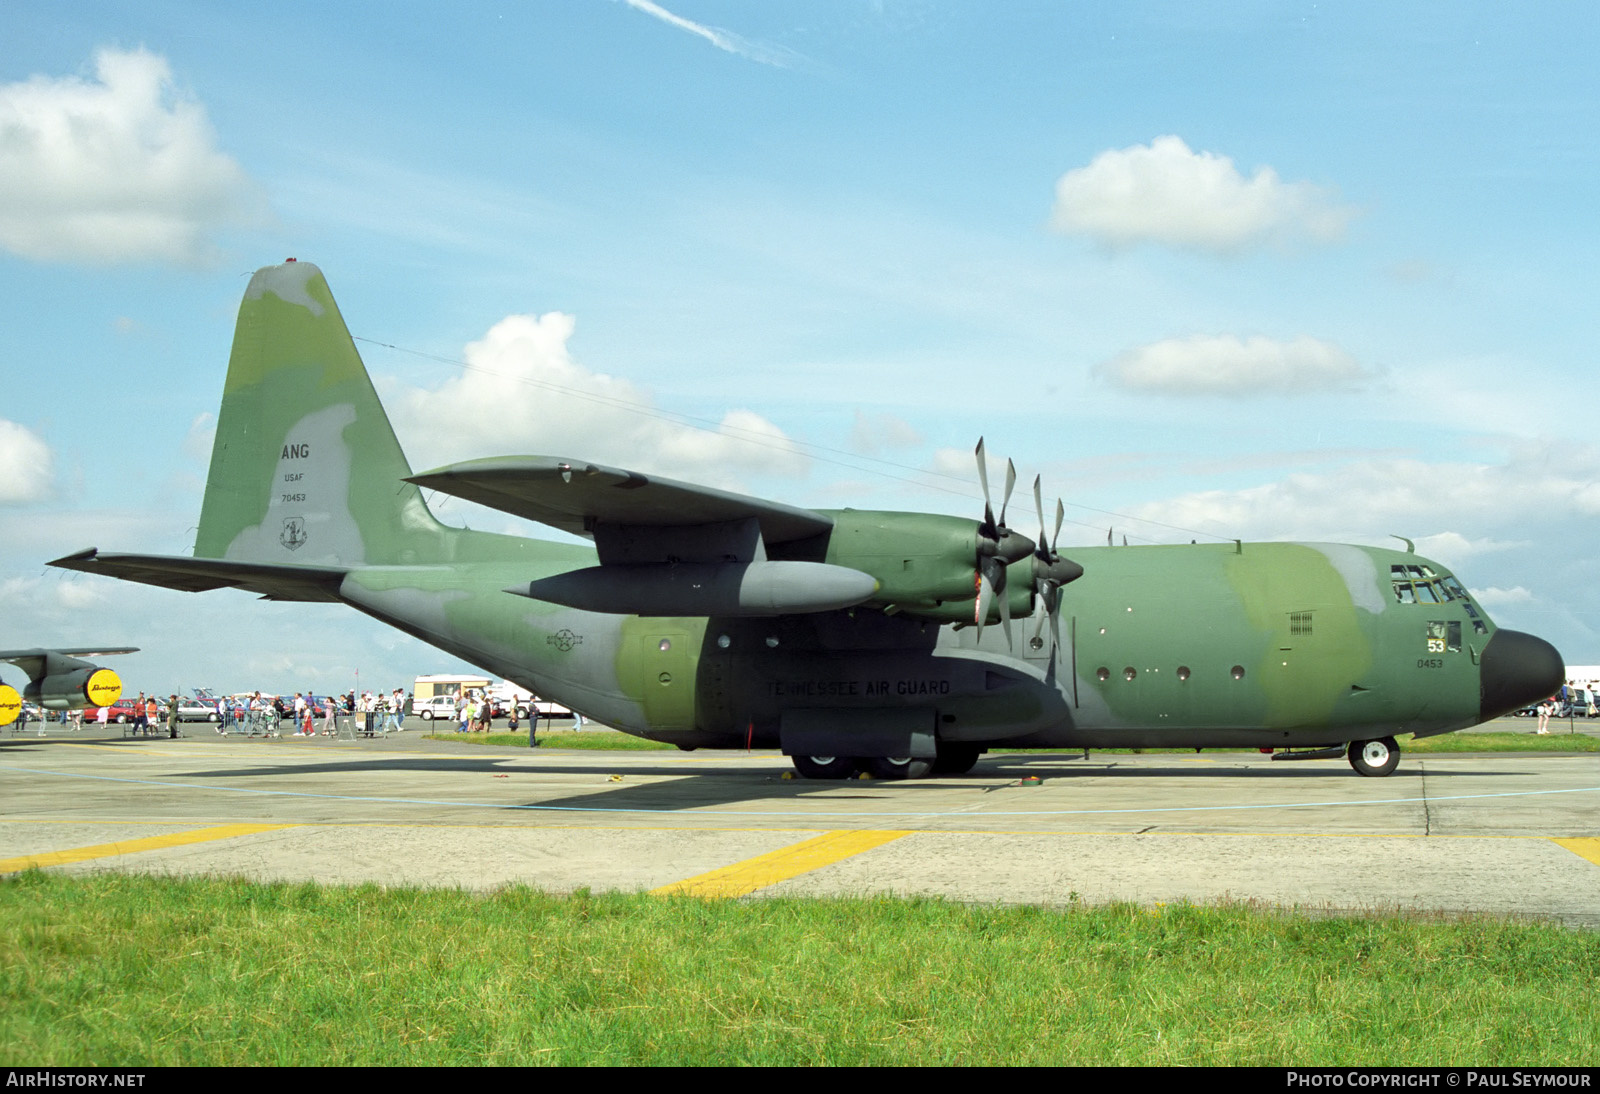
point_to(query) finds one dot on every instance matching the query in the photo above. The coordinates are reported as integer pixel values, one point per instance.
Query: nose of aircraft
(1516, 669)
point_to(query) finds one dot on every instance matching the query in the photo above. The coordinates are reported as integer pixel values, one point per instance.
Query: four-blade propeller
(999, 547)
(1051, 571)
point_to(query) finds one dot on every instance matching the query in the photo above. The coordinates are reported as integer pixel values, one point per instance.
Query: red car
(121, 712)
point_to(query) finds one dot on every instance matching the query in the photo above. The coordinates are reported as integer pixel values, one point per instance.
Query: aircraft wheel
(825, 767)
(896, 767)
(1375, 758)
(956, 759)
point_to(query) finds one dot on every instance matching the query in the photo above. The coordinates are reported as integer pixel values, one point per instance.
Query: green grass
(113, 970)
(1558, 740)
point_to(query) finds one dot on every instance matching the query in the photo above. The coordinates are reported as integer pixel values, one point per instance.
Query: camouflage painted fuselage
(1264, 644)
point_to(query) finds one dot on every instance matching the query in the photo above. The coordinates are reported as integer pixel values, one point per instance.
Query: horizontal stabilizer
(731, 589)
(575, 496)
(272, 581)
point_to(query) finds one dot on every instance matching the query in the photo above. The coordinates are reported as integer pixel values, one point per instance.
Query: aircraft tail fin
(305, 468)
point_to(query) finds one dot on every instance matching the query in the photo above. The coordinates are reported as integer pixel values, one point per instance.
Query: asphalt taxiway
(1505, 834)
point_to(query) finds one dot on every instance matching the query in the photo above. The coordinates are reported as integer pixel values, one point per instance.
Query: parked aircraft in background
(853, 639)
(59, 680)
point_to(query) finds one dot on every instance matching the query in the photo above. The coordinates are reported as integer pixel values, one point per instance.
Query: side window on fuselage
(1444, 635)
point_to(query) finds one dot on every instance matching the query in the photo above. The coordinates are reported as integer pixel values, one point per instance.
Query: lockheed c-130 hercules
(853, 640)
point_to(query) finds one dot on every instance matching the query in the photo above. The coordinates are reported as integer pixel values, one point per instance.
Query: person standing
(172, 717)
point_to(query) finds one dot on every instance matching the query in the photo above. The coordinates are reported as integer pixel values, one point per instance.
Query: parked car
(197, 710)
(121, 713)
(435, 706)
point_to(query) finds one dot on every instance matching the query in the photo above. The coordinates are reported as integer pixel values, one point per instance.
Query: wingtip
(88, 554)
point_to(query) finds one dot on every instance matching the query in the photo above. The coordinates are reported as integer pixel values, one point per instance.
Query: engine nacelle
(85, 687)
(925, 563)
(10, 704)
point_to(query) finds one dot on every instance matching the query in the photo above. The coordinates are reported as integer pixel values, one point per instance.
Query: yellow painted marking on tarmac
(1584, 847)
(128, 847)
(780, 865)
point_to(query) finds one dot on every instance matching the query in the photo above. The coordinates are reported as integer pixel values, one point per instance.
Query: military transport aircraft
(854, 640)
(58, 680)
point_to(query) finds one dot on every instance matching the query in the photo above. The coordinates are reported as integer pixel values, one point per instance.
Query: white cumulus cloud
(1370, 499)
(27, 466)
(1164, 192)
(1227, 365)
(1493, 597)
(116, 169)
(522, 393)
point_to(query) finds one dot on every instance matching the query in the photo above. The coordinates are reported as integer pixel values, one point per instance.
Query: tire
(212, 717)
(956, 759)
(896, 767)
(427, 715)
(824, 767)
(1375, 758)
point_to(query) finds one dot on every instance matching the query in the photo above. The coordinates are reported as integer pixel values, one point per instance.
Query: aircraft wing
(17, 656)
(665, 547)
(271, 581)
(574, 496)
(36, 662)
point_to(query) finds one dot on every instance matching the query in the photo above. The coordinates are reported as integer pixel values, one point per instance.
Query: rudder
(305, 467)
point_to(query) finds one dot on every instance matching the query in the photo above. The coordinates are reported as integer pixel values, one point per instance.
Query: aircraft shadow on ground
(672, 789)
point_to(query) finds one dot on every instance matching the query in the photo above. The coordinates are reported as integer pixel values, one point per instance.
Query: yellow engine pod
(103, 689)
(10, 704)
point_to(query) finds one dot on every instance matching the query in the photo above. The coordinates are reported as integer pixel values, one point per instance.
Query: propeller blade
(983, 480)
(985, 598)
(1038, 507)
(1055, 628)
(1011, 481)
(1061, 513)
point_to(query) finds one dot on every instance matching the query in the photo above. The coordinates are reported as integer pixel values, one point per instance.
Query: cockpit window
(1417, 585)
(1420, 584)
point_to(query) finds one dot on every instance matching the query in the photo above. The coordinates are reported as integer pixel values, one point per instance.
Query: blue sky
(1259, 270)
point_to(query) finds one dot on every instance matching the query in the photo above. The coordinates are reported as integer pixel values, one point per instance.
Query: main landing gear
(1374, 758)
(952, 759)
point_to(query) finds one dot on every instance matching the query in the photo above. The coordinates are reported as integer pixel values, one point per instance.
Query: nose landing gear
(1375, 758)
